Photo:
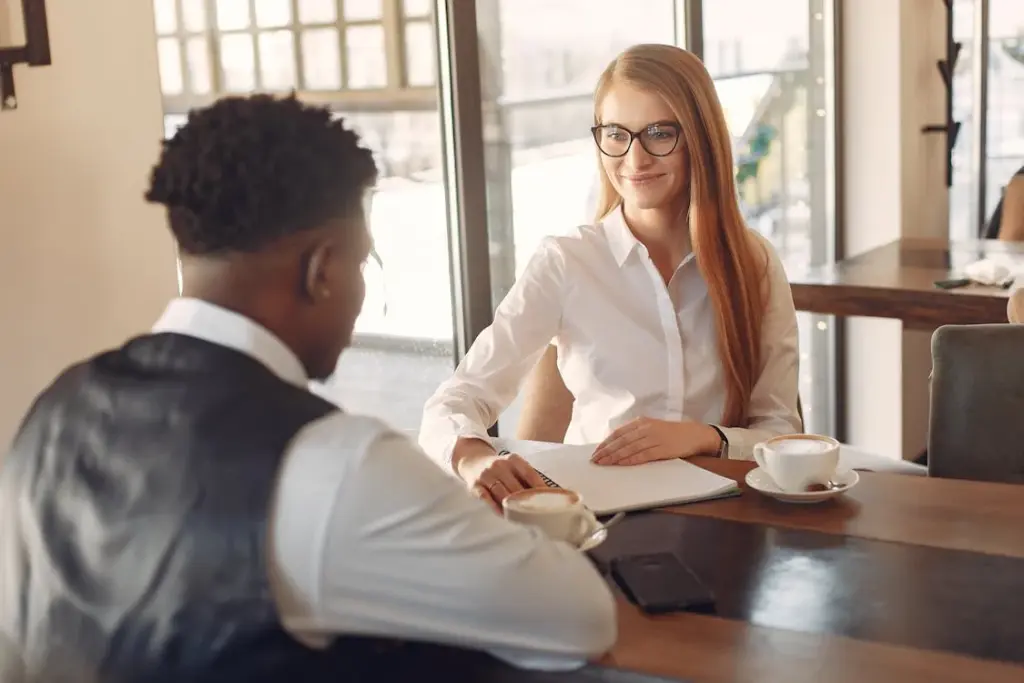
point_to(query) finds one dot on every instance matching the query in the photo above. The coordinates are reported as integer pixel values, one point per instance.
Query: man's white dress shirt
(367, 536)
(628, 346)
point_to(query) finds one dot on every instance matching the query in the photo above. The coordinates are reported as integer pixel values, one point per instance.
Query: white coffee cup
(557, 512)
(797, 461)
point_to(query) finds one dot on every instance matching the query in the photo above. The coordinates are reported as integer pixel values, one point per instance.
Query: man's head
(266, 198)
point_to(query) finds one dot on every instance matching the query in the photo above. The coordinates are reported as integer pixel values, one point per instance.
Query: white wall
(85, 262)
(894, 185)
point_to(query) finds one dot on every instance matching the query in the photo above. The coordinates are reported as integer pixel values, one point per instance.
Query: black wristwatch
(723, 448)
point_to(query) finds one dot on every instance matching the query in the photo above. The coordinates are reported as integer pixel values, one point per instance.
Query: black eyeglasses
(657, 139)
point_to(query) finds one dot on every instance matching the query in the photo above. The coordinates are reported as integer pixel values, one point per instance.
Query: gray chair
(976, 427)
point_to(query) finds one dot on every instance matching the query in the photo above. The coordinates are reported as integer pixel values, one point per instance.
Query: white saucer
(759, 480)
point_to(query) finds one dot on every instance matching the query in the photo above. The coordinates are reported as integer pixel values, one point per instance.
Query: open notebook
(609, 489)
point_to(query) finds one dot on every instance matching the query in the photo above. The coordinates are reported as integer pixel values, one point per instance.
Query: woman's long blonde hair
(726, 253)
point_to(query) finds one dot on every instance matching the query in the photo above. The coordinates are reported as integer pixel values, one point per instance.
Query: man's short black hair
(247, 171)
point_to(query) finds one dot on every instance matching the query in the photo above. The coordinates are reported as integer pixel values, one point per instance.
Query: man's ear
(319, 279)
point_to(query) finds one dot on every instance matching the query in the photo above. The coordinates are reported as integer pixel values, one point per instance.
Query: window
(375, 62)
(354, 55)
(1004, 144)
(961, 192)
(538, 81)
(372, 61)
(770, 62)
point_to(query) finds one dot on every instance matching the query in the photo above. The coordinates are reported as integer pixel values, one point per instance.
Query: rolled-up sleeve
(370, 538)
(773, 401)
(489, 377)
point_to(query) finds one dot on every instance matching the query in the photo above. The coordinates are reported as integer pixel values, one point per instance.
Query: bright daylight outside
(374, 62)
(1005, 133)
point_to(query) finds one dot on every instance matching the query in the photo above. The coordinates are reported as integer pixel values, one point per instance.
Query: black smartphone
(660, 583)
(954, 283)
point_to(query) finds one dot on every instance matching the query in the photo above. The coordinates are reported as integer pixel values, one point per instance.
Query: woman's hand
(646, 439)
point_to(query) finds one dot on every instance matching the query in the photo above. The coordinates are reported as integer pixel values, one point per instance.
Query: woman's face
(655, 171)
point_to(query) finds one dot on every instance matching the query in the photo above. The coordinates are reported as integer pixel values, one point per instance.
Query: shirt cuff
(439, 442)
(741, 445)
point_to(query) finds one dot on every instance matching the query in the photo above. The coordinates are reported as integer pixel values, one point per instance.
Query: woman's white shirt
(628, 346)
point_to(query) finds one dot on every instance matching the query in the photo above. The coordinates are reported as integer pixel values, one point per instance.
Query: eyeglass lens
(657, 139)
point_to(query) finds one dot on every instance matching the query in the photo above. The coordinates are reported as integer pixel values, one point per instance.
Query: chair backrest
(976, 426)
(547, 403)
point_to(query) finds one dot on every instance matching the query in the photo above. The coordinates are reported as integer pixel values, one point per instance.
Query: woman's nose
(638, 157)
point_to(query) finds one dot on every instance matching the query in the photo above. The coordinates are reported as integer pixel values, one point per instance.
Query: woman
(1007, 222)
(674, 323)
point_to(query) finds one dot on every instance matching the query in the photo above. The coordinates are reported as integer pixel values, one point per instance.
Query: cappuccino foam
(544, 501)
(800, 446)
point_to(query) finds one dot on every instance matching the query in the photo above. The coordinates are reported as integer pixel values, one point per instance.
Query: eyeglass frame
(634, 136)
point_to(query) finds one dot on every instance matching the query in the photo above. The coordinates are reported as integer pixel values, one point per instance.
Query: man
(183, 507)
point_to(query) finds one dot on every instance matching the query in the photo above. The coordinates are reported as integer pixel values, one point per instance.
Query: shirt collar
(622, 241)
(209, 322)
(620, 238)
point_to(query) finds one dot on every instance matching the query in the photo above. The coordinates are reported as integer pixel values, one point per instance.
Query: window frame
(396, 95)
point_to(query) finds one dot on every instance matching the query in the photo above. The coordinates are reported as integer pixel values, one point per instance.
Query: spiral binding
(546, 478)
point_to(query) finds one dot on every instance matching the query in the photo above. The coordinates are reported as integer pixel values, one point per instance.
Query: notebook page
(608, 489)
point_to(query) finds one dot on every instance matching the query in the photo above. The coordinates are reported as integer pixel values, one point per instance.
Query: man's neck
(245, 291)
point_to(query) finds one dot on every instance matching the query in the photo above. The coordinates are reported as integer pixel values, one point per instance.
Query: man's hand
(646, 439)
(492, 477)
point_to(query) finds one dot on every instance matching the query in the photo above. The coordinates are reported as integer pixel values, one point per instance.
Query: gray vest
(134, 503)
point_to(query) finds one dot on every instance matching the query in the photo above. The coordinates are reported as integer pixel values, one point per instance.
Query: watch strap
(723, 448)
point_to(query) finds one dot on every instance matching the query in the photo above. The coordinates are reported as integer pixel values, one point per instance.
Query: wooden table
(897, 281)
(903, 579)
